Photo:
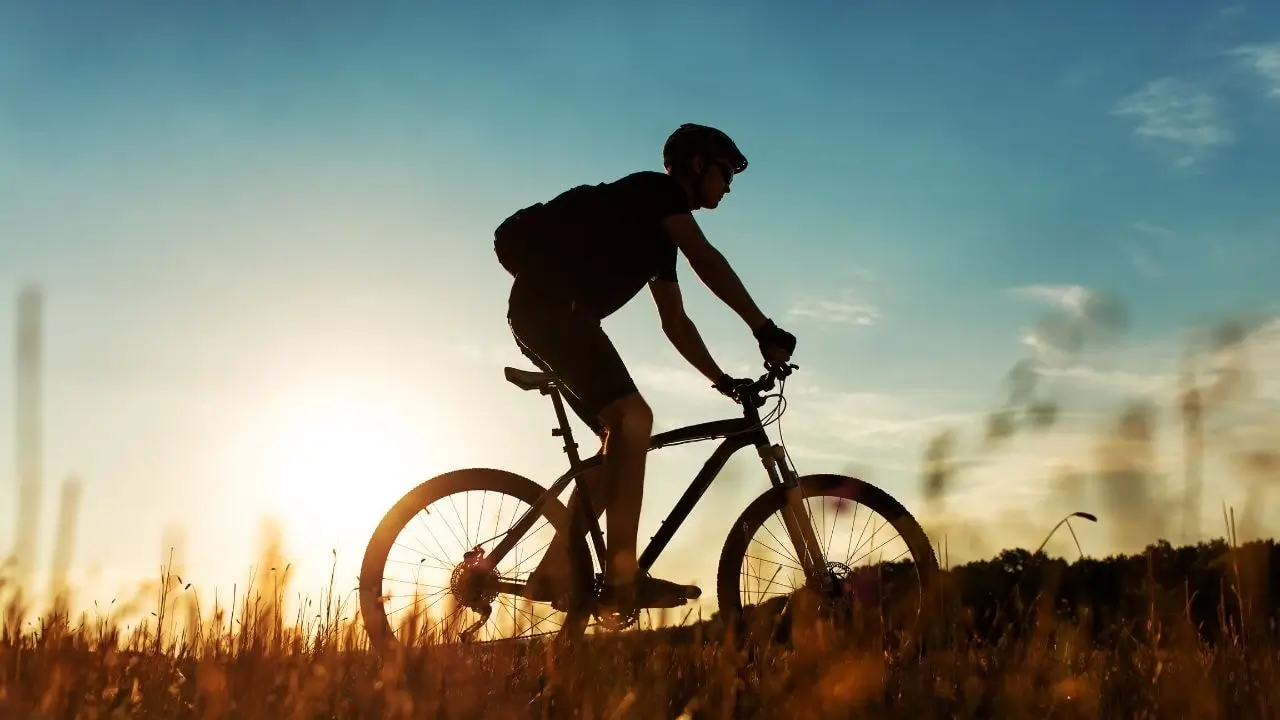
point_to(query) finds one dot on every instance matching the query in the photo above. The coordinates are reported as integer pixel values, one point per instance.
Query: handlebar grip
(781, 370)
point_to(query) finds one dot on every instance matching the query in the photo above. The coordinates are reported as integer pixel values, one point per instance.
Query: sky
(263, 239)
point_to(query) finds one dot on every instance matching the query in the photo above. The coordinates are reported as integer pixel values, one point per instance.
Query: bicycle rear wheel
(759, 573)
(422, 581)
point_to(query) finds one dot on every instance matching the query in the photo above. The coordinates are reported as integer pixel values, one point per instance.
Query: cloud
(1178, 117)
(1153, 369)
(1264, 351)
(1042, 344)
(862, 274)
(1149, 228)
(1122, 381)
(1058, 333)
(1077, 76)
(1065, 297)
(1077, 314)
(680, 380)
(842, 310)
(1231, 11)
(1264, 61)
(1057, 340)
(1141, 259)
(870, 419)
(1143, 262)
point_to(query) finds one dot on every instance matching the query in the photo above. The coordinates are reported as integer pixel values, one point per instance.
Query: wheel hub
(849, 587)
(837, 582)
(471, 583)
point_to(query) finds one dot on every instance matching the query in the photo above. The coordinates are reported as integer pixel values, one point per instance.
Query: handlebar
(753, 394)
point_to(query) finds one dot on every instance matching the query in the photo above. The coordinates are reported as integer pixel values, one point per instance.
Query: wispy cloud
(1264, 61)
(1055, 335)
(1079, 322)
(1152, 229)
(1143, 262)
(1231, 11)
(870, 419)
(844, 309)
(1178, 117)
(1265, 346)
(1137, 251)
(1122, 381)
(680, 380)
(1065, 297)
(1077, 76)
(1153, 369)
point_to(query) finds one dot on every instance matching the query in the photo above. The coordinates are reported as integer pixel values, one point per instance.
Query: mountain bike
(471, 565)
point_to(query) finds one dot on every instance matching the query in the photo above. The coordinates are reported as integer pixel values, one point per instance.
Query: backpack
(515, 240)
(529, 230)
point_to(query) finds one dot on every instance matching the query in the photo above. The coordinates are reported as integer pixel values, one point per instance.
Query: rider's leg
(629, 423)
(562, 342)
(552, 570)
(554, 565)
(561, 339)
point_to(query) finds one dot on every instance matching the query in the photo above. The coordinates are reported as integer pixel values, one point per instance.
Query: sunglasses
(726, 171)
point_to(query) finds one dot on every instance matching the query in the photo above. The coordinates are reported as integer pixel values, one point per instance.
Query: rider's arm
(680, 329)
(712, 268)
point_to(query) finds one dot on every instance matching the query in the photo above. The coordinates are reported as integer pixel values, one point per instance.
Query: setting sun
(338, 459)
(1009, 267)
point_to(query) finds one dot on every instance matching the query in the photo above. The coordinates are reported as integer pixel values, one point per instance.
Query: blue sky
(264, 231)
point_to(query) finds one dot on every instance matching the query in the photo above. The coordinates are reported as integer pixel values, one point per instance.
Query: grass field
(247, 660)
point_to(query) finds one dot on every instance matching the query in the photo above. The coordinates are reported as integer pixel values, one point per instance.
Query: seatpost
(570, 447)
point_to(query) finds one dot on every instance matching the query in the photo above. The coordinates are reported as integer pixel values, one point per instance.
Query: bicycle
(477, 580)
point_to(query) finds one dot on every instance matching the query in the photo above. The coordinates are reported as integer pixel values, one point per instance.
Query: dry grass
(246, 660)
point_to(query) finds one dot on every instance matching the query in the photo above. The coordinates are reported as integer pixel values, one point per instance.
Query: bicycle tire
(728, 575)
(378, 627)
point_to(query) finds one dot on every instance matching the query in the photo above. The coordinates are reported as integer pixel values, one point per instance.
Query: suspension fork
(795, 515)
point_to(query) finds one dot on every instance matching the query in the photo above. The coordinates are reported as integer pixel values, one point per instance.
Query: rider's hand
(729, 386)
(776, 344)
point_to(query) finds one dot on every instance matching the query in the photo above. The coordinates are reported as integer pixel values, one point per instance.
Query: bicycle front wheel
(877, 561)
(424, 581)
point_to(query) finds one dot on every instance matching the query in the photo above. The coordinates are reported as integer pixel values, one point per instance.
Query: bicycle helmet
(692, 139)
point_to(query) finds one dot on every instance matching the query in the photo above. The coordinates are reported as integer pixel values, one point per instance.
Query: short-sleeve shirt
(612, 242)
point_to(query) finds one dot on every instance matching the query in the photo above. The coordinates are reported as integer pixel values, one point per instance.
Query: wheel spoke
(856, 583)
(432, 594)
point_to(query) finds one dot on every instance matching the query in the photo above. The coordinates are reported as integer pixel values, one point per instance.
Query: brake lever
(780, 371)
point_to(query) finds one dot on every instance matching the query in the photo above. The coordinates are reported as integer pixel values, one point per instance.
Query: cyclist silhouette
(580, 257)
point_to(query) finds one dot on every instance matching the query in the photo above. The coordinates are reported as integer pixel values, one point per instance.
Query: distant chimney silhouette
(28, 450)
(65, 543)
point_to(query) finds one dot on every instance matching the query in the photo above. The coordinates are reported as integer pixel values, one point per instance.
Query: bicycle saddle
(528, 379)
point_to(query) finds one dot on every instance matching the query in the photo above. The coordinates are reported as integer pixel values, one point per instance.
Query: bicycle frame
(737, 433)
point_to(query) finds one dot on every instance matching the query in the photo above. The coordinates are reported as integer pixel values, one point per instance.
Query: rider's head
(704, 160)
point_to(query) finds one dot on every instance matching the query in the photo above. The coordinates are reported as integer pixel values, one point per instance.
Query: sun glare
(339, 463)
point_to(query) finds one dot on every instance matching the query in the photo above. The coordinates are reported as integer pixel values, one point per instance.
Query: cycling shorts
(569, 343)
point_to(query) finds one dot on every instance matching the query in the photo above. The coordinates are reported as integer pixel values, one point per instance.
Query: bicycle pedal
(662, 594)
(691, 592)
(677, 596)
